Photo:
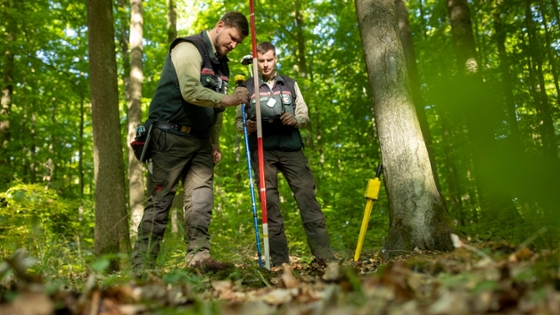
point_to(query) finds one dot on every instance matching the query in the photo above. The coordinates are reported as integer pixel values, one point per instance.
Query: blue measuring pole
(254, 204)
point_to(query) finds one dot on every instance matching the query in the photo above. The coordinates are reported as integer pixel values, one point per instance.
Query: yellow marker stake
(372, 193)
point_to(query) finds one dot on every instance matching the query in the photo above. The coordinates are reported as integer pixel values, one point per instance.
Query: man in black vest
(185, 116)
(283, 113)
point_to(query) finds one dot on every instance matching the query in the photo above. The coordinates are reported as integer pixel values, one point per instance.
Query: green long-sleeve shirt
(187, 62)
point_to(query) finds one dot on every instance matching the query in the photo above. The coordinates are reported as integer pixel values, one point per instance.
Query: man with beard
(185, 119)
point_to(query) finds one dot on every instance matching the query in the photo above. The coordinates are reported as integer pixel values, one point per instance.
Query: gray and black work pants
(295, 169)
(176, 158)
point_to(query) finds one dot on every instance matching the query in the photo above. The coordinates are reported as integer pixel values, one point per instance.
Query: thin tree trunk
(554, 5)
(33, 149)
(111, 225)
(7, 93)
(513, 142)
(177, 206)
(135, 168)
(300, 24)
(549, 164)
(506, 77)
(481, 115)
(81, 148)
(452, 178)
(418, 217)
(123, 39)
(546, 126)
(549, 50)
(171, 21)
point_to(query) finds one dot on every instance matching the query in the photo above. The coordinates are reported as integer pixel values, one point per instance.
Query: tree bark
(111, 225)
(410, 56)
(171, 21)
(300, 23)
(418, 217)
(7, 93)
(177, 206)
(81, 147)
(135, 168)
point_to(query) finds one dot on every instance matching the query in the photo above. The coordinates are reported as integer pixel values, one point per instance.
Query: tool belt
(166, 126)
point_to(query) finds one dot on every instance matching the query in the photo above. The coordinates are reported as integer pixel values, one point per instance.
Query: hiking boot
(319, 262)
(193, 258)
(210, 265)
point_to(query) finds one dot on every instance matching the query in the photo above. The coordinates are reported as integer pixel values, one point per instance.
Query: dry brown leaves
(468, 280)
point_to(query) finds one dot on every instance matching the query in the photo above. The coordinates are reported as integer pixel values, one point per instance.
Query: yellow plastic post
(372, 193)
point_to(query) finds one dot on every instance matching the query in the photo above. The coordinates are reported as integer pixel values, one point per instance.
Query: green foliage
(46, 224)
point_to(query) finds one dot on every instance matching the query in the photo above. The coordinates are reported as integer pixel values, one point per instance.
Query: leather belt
(165, 126)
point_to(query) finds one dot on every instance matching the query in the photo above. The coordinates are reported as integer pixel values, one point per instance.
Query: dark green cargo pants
(295, 169)
(176, 158)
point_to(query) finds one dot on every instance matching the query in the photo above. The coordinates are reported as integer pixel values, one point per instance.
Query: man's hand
(251, 125)
(240, 95)
(288, 119)
(216, 154)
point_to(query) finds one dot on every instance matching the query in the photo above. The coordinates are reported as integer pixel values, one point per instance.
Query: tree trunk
(81, 148)
(452, 179)
(177, 206)
(463, 38)
(549, 164)
(506, 77)
(171, 21)
(135, 168)
(111, 225)
(550, 50)
(6, 101)
(546, 127)
(418, 217)
(410, 56)
(554, 5)
(123, 39)
(300, 27)
(482, 115)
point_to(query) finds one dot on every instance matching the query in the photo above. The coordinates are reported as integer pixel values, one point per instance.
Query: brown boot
(210, 265)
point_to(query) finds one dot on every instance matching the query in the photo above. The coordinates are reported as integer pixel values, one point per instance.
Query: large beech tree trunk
(418, 217)
(410, 57)
(111, 225)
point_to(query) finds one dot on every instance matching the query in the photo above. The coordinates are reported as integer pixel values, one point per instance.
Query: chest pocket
(214, 83)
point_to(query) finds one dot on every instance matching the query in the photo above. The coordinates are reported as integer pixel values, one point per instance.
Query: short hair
(264, 47)
(237, 20)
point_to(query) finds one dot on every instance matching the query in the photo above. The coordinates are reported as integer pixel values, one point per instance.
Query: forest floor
(486, 278)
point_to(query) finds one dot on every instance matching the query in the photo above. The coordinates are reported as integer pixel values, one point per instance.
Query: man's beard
(218, 47)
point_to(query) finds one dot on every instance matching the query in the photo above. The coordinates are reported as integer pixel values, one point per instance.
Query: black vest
(169, 105)
(276, 136)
